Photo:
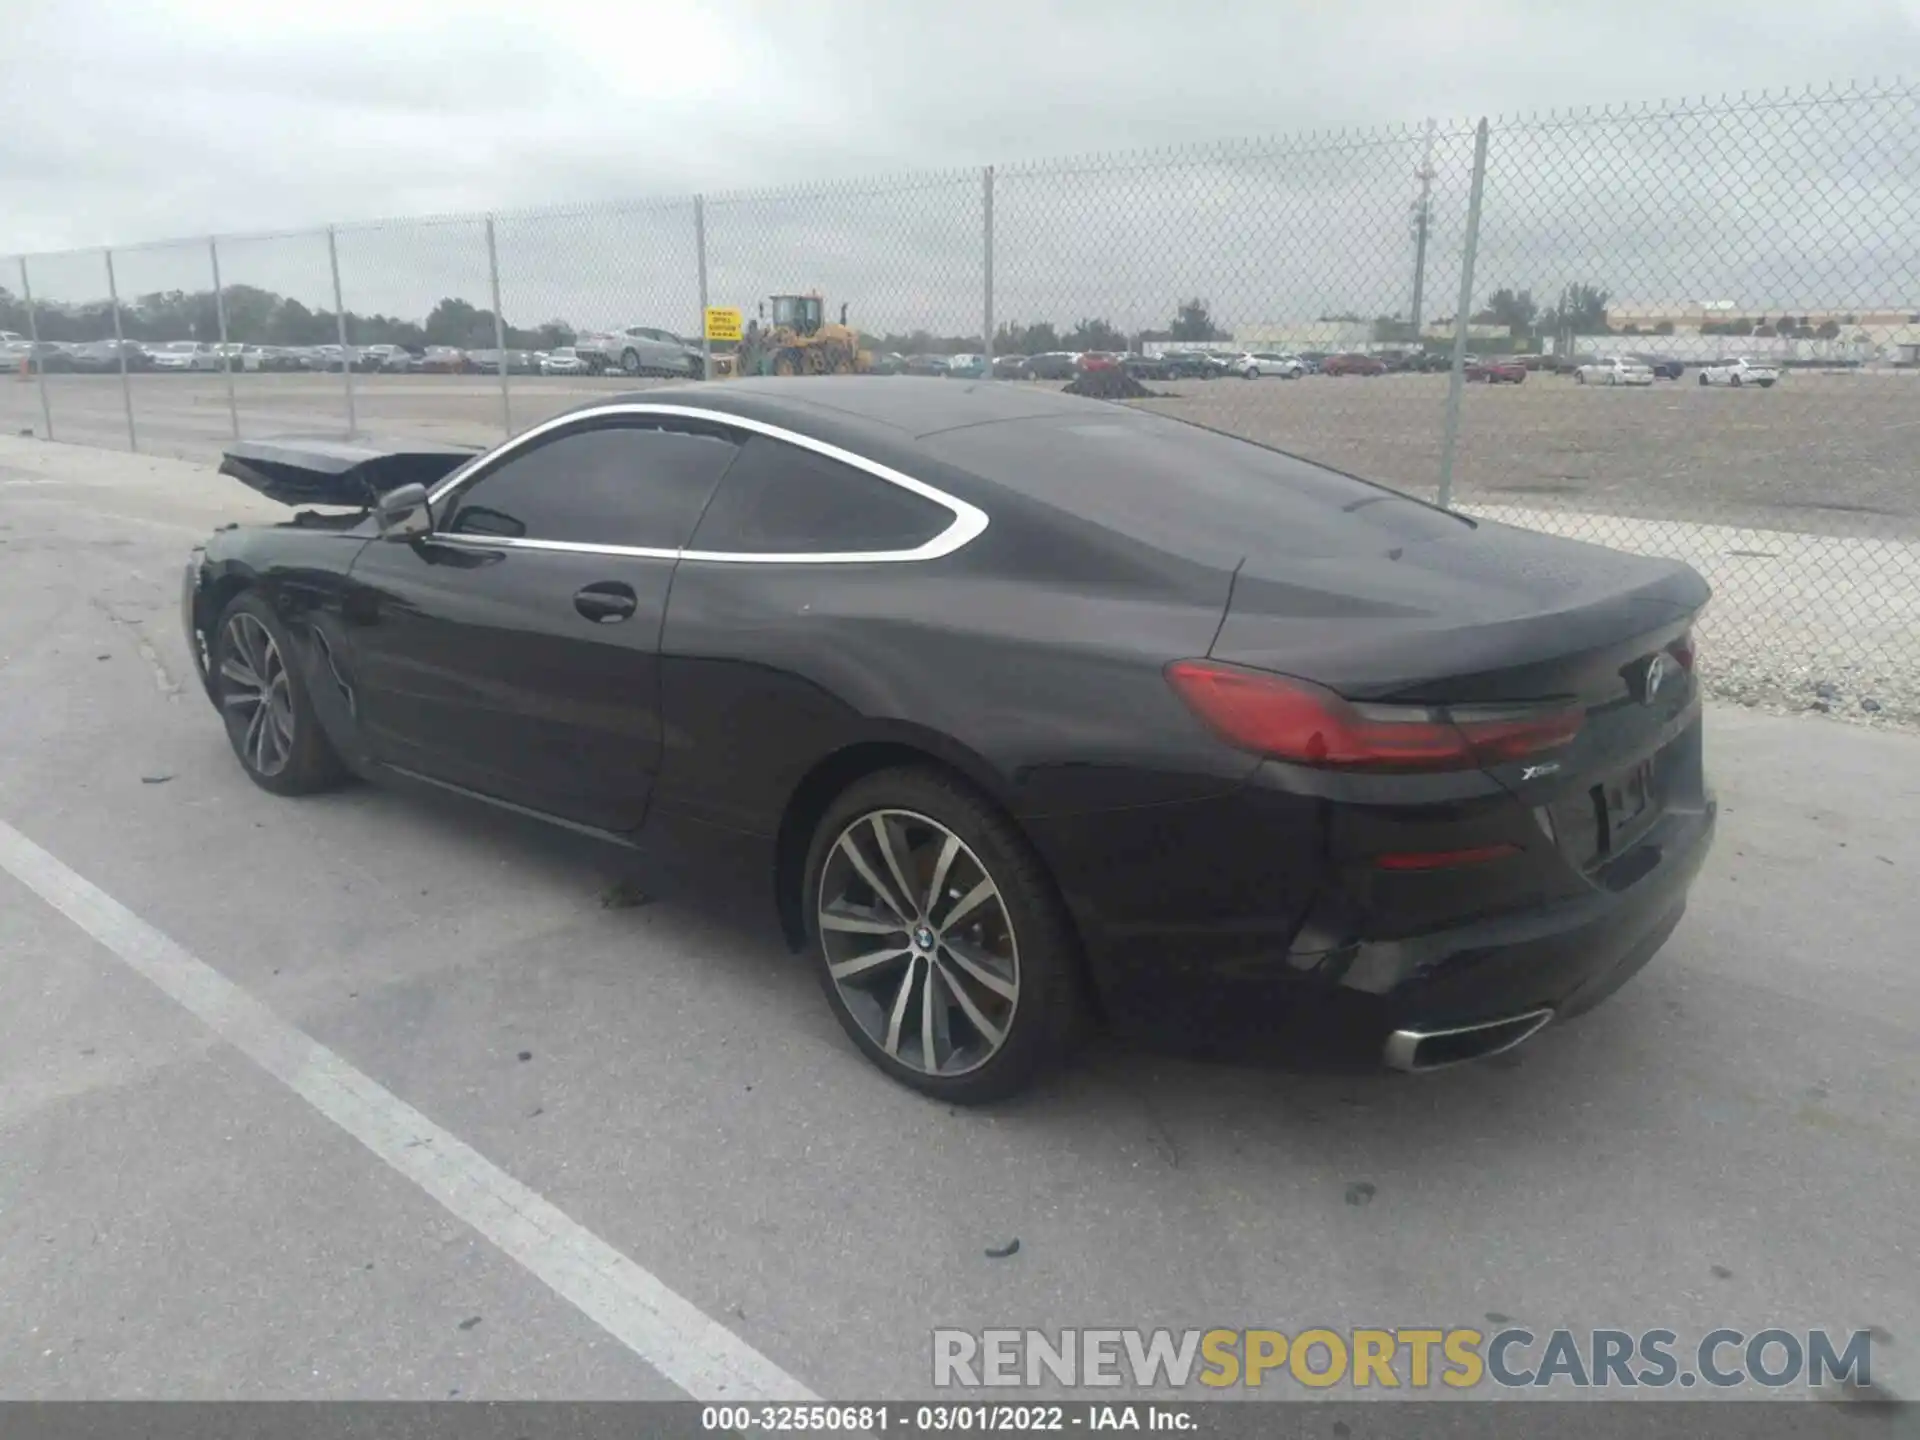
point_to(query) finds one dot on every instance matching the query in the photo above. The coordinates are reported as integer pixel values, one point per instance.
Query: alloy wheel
(255, 693)
(919, 943)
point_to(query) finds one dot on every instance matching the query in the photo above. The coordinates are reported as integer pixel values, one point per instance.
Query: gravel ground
(1817, 454)
(1798, 623)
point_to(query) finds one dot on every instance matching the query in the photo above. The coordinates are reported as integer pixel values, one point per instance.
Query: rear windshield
(1187, 490)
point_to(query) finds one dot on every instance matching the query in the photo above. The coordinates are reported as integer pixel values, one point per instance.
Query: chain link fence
(1439, 307)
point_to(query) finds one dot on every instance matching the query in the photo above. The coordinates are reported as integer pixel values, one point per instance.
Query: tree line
(260, 317)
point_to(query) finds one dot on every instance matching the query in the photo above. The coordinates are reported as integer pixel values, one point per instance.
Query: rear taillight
(1308, 724)
(1682, 650)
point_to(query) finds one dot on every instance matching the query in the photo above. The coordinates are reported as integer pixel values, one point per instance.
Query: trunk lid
(1501, 616)
(1489, 614)
(319, 470)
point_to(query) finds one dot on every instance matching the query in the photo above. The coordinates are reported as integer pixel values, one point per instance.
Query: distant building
(1692, 317)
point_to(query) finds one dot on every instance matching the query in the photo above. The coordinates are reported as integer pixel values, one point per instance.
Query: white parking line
(695, 1352)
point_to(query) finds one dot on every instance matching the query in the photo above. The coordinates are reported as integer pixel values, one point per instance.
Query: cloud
(131, 122)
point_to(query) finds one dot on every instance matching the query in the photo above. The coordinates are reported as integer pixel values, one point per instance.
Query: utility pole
(1422, 222)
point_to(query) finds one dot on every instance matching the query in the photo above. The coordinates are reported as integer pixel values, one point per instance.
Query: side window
(636, 485)
(781, 499)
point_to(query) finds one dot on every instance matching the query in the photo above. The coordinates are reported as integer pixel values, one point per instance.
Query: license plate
(1628, 799)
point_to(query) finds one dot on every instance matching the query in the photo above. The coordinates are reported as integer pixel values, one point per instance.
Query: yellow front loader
(797, 339)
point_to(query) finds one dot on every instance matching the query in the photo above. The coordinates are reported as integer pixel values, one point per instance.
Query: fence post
(120, 349)
(33, 336)
(700, 259)
(1457, 374)
(986, 235)
(340, 319)
(220, 312)
(499, 335)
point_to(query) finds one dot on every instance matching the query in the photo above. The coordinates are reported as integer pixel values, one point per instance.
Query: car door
(514, 652)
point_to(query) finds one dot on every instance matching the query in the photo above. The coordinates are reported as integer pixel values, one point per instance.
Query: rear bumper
(1244, 987)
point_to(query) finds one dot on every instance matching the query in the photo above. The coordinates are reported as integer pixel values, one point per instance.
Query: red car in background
(1094, 360)
(1352, 365)
(1497, 372)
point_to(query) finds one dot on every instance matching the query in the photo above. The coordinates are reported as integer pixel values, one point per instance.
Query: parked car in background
(443, 360)
(1496, 370)
(184, 355)
(890, 363)
(1738, 373)
(100, 356)
(392, 359)
(1090, 361)
(1147, 367)
(1009, 367)
(49, 357)
(1195, 365)
(1664, 367)
(966, 367)
(564, 361)
(1352, 364)
(926, 365)
(1258, 363)
(522, 362)
(1614, 370)
(640, 350)
(1052, 365)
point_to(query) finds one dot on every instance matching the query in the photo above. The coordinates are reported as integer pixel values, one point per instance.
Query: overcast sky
(136, 121)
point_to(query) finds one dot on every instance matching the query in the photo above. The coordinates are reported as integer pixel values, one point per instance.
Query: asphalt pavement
(371, 1096)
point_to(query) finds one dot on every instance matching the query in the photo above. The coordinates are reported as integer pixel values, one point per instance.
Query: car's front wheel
(630, 361)
(938, 939)
(269, 717)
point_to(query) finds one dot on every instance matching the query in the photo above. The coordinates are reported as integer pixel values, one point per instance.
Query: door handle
(607, 602)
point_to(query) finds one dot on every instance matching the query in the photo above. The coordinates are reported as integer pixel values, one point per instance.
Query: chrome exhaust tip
(1436, 1049)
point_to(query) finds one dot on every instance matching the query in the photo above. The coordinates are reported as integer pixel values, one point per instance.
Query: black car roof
(1184, 490)
(891, 409)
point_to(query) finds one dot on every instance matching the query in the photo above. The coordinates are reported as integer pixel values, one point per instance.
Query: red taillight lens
(1682, 650)
(1308, 724)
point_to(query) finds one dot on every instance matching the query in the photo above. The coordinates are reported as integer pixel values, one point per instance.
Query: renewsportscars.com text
(1416, 1359)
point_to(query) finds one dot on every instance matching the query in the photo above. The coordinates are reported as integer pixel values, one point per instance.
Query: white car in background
(184, 355)
(563, 361)
(1739, 372)
(1267, 362)
(1614, 370)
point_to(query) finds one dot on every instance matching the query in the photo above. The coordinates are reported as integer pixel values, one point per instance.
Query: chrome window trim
(968, 520)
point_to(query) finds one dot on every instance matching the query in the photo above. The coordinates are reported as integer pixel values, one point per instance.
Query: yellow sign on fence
(723, 323)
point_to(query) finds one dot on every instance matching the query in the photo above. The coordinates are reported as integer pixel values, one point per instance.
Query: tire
(278, 742)
(1019, 930)
(630, 361)
(1578, 378)
(788, 363)
(1736, 382)
(1704, 382)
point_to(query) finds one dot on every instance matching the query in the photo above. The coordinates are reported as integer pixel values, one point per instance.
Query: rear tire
(959, 900)
(1736, 382)
(1704, 382)
(263, 700)
(630, 361)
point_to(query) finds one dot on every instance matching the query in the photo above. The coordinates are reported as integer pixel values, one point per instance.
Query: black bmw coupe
(1012, 708)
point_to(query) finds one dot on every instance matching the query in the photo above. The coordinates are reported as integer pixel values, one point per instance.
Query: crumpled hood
(320, 470)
